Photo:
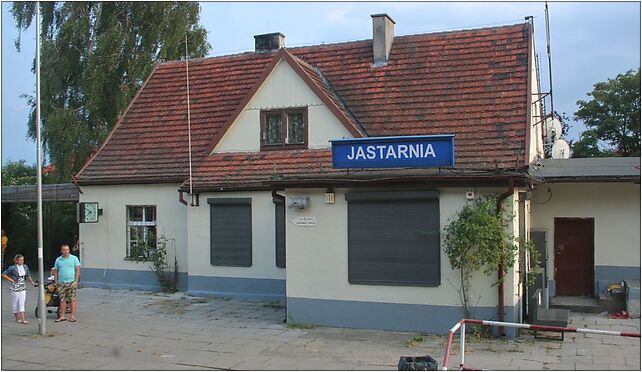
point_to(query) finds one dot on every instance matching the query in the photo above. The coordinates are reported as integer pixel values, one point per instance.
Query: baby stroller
(51, 299)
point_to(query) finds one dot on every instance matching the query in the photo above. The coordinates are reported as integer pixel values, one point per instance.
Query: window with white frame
(141, 230)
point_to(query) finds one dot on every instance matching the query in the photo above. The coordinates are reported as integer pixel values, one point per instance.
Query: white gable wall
(282, 88)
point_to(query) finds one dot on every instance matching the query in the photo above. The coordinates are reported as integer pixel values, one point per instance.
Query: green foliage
(294, 325)
(534, 260)
(94, 58)
(16, 173)
(413, 342)
(154, 250)
(589, 146)
(612, 117)
(476, 239)
(19, 220)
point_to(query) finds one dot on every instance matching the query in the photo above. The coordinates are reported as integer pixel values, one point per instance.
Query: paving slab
(123, 330)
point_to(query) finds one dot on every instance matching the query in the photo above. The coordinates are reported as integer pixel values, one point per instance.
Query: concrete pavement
(134, 330)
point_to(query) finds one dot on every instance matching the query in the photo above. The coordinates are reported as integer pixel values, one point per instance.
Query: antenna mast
(548, 51)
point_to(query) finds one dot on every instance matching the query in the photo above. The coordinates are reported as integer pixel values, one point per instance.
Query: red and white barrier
(461, 326)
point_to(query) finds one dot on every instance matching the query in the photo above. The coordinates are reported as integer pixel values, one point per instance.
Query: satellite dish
(552, 129)
(561, 150)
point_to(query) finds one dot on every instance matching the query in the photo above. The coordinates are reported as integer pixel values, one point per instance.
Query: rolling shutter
(393, 238)
(230, 231)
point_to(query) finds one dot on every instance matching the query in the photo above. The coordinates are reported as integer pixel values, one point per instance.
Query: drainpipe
(500, 269)
(277, 196)
(181, 198)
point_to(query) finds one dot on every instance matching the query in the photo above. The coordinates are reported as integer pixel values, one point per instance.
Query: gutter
(75, 182)
(500, 269)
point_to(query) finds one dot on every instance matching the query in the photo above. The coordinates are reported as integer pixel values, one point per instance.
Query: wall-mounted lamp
(329, 196)
(470, 193)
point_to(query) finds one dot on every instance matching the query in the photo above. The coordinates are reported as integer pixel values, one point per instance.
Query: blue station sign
(393, 152)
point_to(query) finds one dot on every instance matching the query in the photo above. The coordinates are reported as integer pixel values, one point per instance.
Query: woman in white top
(16, 275)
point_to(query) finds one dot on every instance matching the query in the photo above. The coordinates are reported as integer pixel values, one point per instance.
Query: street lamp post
(42, 322)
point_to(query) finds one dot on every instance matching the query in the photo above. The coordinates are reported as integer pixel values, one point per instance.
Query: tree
(94, 58)
(18, 173)
(20, 223)
(19, 219)
(612, 118)
(476, 239)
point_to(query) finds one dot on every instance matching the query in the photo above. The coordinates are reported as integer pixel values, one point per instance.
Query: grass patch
(295, 325)
(414, 341)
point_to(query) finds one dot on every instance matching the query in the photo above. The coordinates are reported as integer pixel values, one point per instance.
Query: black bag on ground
(417, 363)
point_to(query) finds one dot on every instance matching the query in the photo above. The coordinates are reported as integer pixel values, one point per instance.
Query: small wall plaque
(304, 221)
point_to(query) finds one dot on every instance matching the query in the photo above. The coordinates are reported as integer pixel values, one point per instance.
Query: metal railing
(461, 327)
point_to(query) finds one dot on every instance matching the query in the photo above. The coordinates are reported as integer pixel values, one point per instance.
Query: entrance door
(573, 252)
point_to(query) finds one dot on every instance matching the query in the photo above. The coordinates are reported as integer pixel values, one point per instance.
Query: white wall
(104, 244)
(282, 88)
(536, 141)
(263, 239)
(615, 208)
(317, 257)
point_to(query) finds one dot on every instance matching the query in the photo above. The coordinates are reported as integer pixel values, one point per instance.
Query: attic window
(282, 129)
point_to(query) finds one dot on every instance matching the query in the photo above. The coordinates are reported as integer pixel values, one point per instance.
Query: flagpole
(42, 326)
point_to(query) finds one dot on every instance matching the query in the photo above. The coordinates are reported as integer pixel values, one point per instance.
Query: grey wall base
(386, 316)
(605, 275)
(551, 288)
(125, 279)
(243, 288)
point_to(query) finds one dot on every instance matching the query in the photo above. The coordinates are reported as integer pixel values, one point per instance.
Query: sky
(590, 42)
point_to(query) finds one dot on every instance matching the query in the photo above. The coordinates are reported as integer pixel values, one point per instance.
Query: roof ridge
(475, 29)
(323, 44)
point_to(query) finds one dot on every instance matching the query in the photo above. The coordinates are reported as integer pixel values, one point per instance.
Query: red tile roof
(471, 83)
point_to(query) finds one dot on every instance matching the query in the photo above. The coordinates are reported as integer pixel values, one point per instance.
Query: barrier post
(462, 343)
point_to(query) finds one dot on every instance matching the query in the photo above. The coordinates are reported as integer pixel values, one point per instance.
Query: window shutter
(231, 231)
(393, 238)
(279, 207)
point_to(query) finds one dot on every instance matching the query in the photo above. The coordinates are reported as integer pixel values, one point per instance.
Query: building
(585, 215)
(265, 214)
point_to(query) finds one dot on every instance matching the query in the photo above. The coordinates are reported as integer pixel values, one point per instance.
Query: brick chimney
(269, 42)
(383, 33)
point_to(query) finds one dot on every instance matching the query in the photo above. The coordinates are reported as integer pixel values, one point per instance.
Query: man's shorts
(67, 291)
